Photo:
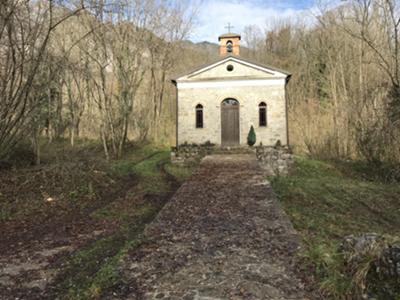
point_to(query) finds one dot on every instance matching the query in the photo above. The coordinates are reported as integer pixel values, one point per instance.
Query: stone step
(234, 150)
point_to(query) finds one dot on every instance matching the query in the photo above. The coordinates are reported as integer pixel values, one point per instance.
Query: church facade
(220, 101)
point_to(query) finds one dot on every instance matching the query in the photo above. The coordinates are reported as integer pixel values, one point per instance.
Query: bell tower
(229, 43)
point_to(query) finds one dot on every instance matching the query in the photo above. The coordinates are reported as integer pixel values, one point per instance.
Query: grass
(93, 270)
(124, 194)
(136, 154)
(327, 201)
(180, 173)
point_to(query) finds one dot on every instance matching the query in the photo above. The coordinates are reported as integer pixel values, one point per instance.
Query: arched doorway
(230, 122)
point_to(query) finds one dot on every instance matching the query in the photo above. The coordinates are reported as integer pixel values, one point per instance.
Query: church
(220, 101)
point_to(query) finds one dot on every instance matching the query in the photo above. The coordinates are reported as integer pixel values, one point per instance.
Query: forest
(343, 96)
(102, 71)
(90, 69)
(88, 114)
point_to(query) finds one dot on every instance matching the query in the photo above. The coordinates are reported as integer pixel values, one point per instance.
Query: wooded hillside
(93, 69)
(344, 93)
(101, 70)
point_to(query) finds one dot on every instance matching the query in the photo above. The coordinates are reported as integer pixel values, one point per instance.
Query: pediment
(232, 68)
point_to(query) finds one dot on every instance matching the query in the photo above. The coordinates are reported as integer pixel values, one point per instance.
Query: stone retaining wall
(190, 153)
(275, 160)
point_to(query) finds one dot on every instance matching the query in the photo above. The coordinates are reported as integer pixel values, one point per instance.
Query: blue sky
(213, 15)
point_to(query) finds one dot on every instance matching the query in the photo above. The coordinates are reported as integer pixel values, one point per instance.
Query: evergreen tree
(251, 137)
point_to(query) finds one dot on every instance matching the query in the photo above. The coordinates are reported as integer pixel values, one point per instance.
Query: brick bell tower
(229, 43)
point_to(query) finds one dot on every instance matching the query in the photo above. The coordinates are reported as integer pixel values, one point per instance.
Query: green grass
(94, 269)
(124, 195)
(151, 174)
(327, 201)
(181, 173)
(136, 154)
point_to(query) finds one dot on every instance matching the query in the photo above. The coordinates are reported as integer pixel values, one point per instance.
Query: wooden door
(230, 122)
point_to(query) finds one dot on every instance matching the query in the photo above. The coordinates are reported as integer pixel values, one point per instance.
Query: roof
(288, 74)
(229, 35)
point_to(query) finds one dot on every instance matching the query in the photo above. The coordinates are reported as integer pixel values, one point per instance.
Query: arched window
(229, 46)
(199, 116)
(262, 114)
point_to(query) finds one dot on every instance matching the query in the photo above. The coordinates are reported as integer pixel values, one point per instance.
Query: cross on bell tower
(229, 43)
(229, 27)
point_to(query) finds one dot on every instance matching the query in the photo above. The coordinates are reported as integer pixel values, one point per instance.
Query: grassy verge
(92, 271)
(117, 198)
(77, 178)
(327, 201)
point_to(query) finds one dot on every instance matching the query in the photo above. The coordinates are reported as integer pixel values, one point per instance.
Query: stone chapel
(220, 101)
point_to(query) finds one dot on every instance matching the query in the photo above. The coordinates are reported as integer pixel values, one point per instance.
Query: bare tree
(25, 30)
(376, 23)
(342, 93)
(252, 37)
(170, 27)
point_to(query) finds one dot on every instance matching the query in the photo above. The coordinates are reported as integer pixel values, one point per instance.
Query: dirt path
(222, 236)
(32, 249)
(46, 257)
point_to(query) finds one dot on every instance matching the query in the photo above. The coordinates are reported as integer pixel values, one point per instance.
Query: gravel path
(222, 236)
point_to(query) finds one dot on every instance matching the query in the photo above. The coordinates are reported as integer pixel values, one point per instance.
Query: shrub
(21, 156)
(208, 144)
(251, 137)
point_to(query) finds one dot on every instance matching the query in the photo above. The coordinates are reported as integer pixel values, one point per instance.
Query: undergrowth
(124, 195)
(92, 271)
(327, 201)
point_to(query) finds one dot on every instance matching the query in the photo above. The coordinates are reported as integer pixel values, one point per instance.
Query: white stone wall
(249, 98)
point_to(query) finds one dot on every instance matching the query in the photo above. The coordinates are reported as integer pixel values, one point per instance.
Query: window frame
(262, 114)
(199, 116)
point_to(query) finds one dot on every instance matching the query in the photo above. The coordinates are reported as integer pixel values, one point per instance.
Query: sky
(214, 15)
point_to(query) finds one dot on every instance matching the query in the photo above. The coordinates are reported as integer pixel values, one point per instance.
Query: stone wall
(190, 153)
(377, 254)
(275, 160)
